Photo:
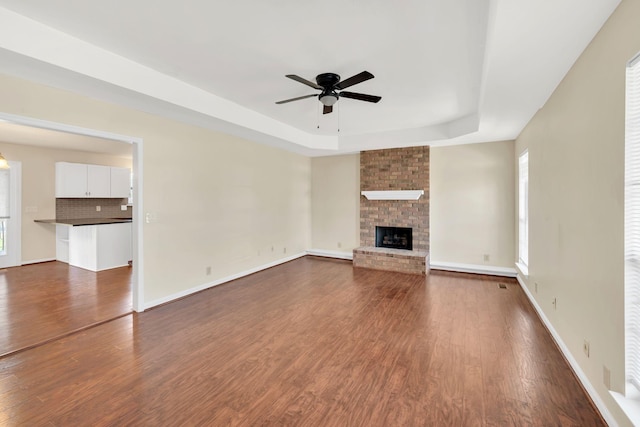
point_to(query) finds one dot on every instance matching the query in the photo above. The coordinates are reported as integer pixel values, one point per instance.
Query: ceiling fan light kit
(329, 99)
(329, 84)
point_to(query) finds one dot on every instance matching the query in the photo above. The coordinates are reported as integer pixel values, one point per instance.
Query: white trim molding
(595, 397)
(393, 194)
(330, 254)
(37, 261)
(524, 269)
(220, 281)
(630, 403)
(473, 268)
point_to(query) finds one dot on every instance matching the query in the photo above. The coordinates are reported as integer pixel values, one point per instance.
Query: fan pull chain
(318, 116)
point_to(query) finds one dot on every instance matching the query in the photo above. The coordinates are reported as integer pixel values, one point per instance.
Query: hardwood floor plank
(312, 342)
(473, 406)
(40, 302)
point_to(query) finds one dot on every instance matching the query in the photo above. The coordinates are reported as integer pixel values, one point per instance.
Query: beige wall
(335, 203)
(38, 192)
(472, 204)
(220, 201)
(576, 187)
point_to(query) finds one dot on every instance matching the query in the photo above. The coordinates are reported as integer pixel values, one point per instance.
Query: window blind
(4, 193)
(632, 224)
(523, 209)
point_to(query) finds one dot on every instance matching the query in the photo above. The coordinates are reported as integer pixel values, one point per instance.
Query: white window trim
(523, 264)
(524, 269)
(630, 400)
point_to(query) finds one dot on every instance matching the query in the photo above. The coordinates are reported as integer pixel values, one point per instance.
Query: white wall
(220, 201)
(576, 188)
(472, 204)
(335, 203)
(38, 192)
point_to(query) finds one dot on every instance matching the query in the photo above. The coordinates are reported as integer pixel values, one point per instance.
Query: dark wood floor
(313, 342)
(40, 302)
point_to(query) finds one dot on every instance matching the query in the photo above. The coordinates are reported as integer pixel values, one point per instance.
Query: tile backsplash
(86, 208)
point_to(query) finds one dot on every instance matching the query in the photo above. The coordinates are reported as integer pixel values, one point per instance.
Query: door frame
(14, 235)
(137, 223)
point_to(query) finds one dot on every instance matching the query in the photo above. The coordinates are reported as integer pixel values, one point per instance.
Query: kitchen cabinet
(120, 182)
(78, 180)
(100, 247)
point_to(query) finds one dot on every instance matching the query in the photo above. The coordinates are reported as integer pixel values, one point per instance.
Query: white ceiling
(456, 71)
(28, 135)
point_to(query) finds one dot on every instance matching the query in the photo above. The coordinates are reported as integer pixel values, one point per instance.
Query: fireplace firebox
(394, 237)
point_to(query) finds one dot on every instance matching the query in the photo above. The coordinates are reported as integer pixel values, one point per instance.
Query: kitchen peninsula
(93, 243)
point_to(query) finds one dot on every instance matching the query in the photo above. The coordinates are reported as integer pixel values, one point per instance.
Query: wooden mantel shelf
(393, 194)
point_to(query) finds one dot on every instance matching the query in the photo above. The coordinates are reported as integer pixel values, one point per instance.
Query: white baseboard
(473, 268)
(604, 411)
(217, 282)
(330, 254)
(37, 261)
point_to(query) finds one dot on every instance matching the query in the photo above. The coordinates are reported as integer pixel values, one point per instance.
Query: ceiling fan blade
(327, 109)
(358, 78)
(296, 99)
(304, 81)
(360, 96)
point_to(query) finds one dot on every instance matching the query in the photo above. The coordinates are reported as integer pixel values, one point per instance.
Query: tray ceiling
(448, 72)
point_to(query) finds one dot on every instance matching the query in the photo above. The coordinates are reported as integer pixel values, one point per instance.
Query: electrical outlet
(98, 208)
(486, 257)
(585, 348)
(271, 248)
(554, 303)
(209, 271)
(339, 244)
(284, 251)
(123, 207)
(606, 377)
(535, 285)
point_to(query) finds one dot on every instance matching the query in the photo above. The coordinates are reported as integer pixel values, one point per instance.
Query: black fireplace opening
(394, 237)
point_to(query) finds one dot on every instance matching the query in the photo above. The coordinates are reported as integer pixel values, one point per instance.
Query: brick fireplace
(390, 170)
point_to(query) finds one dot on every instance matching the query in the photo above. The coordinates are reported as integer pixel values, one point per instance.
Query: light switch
(150, 217)
(98, 208)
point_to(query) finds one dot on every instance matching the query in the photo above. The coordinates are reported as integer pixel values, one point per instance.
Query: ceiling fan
(329, 84)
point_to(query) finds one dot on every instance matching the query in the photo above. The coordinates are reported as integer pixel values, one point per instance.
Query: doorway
(136, 145)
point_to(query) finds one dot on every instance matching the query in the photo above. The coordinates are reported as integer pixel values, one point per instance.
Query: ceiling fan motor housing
(327, 80)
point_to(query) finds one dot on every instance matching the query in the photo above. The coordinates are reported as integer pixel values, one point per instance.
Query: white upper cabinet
(71, 180)
(120, 182)
(98, 181)
(77, 180)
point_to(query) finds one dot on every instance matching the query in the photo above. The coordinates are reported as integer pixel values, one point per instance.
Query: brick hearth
(395, 169)
(415, 262)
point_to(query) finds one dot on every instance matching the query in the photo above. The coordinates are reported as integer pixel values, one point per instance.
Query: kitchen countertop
(84, 221)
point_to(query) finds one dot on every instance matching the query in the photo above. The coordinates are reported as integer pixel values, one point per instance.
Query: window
(632, 225)
(4, 206)
(523, 212)
(5, 174)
